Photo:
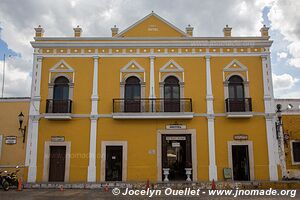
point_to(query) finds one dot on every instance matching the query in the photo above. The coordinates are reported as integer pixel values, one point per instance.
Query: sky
(18, 18)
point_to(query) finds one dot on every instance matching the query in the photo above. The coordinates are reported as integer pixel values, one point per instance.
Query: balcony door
(61, 95)
(236, 94)
(132, 95)
(171, 94)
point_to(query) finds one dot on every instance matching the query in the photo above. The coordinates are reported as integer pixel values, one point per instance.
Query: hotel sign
(175, 126)
(240, 137)
(57, 139)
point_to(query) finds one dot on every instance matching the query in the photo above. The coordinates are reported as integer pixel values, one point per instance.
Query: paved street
(54, 194)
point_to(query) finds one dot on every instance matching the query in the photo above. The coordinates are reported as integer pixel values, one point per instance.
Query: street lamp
(278, 123)
(22, 130)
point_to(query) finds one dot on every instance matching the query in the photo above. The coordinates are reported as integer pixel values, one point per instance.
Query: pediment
(132, 66)
(62, 66)
(152, 26)
(235, 65)
(171, 66)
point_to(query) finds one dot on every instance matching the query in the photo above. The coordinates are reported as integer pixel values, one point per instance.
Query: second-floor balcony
(238, 107)
(58, 109)
(147, 108)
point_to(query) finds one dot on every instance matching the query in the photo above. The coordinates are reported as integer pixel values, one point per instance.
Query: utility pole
(3, 77)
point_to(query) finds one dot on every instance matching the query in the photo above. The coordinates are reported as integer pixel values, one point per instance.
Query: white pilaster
(152, 80)
(270, 121)
(33, 124)
(93, 129)
(210, 123)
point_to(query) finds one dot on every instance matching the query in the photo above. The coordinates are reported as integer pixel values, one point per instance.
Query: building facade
(151, 102)
(289, 138)
(12, 139)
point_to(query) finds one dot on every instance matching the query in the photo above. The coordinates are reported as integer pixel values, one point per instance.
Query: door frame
(48, 144)
(249, 144)
(104, 144)
(191, 132)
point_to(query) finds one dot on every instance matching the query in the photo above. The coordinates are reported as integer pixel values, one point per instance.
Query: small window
(296, 152)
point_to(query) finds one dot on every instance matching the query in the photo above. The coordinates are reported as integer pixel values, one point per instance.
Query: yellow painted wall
(291, 127)
(141, 134)
(13, 155)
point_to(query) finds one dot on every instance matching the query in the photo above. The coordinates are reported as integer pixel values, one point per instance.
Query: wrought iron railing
(58, 106)
(238, 105)
(152, 105)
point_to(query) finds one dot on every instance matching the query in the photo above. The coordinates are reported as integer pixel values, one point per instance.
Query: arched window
(132, 94)
(61, 88)
(61, 102)
(236, 87)
(171, 94)
(236, 101)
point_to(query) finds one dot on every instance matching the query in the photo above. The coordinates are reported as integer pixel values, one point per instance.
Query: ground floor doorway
(113, 164)
(57, 163)
(176, 156)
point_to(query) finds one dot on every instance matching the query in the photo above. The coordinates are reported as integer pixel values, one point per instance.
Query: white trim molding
(213, 174)
(91, 177)
(152, 79)
(104, 144)
(273, 153)
(33, 122)
(191, 132)
(48, 144)
(249, 144)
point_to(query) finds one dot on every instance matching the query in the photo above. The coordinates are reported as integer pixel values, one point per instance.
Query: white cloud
(285, 18)
(282, 55)
(284, 81)
(17, 79)
(97, 17)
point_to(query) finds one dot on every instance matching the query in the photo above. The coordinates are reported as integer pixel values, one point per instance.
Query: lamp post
(278, 123)
(3, 75)
(279, 136)
(22, 130)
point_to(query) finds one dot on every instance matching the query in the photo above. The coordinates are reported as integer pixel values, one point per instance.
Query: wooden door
(57, 163)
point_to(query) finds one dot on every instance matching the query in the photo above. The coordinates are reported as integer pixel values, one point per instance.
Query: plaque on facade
(11, 140)
(240, 137)
(175, 138)
(57, 139)
(175, 126)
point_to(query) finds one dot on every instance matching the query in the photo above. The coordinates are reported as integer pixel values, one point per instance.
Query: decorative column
(210, 123)
(270, 120)
(33, 124)
(93, 129)
(152, 85)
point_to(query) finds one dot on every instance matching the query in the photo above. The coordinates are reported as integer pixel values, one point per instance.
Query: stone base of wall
(173, 185)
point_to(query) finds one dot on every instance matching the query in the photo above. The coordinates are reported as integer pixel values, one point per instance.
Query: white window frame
(292, 150)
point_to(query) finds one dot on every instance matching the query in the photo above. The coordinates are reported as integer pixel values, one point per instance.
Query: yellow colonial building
(151, 102)
(289, 137)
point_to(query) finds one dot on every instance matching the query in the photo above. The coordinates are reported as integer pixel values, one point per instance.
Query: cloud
(17, 78)
(284, 81)
(285, 17)
(97, 17)
(282, 55)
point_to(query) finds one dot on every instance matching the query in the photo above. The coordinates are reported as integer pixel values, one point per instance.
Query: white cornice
(99, 39)
(144, 55)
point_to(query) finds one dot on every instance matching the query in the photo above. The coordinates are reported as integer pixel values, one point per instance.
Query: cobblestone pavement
(81, 194)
